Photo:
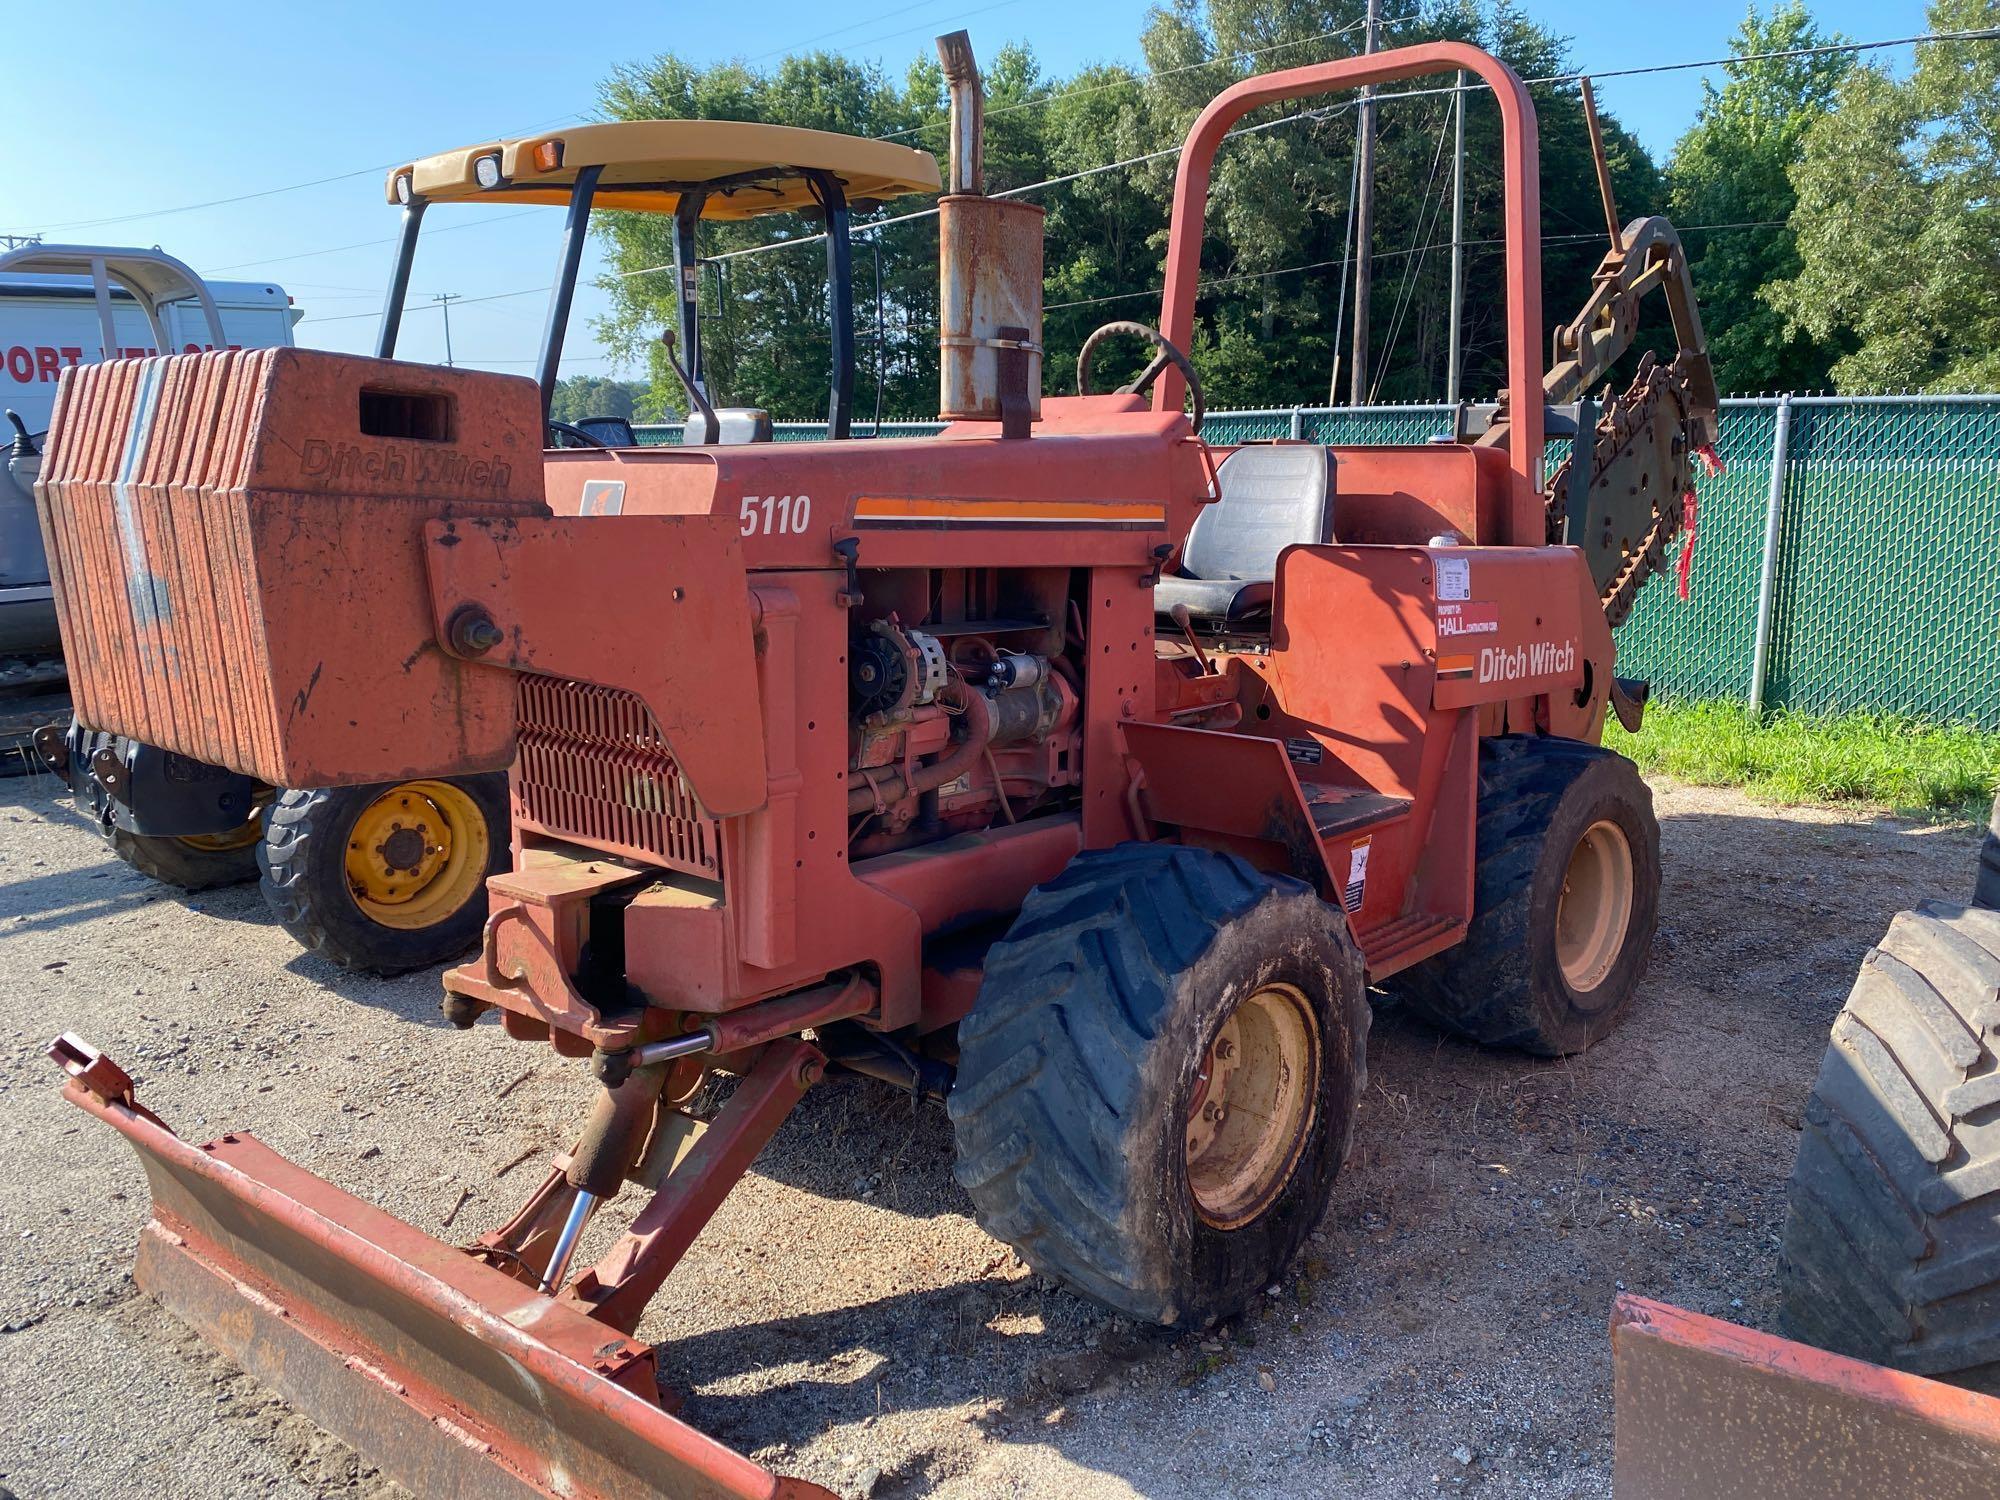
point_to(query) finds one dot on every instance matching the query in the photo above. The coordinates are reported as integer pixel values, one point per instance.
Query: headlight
(403, 191)
(487, 170)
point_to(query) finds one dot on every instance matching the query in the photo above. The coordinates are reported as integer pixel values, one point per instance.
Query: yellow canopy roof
(648, 162)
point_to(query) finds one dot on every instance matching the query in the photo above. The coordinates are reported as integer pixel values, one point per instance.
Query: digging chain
(1629, 432)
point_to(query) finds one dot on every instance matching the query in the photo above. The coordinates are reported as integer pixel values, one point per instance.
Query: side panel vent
(594, 769)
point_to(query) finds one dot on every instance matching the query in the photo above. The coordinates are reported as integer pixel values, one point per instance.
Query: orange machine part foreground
(452, 1376)
(1707, 1409)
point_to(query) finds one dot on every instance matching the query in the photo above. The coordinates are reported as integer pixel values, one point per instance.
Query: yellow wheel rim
(417, 854)
(225, 843)
(1595, 908)
(1254, 1102)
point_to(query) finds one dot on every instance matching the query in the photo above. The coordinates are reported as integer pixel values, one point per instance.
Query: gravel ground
(843, 1319)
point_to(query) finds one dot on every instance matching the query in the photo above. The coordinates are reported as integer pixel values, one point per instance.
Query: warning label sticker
(1454, 579)
(1470, 618)
(1357, 875)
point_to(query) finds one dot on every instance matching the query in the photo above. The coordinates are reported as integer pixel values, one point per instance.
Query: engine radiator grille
(594, 768)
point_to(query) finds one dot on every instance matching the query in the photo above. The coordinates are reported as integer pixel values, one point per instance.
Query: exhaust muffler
(989, 274)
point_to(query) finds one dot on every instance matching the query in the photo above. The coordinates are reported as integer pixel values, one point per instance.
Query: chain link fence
(1849, 557)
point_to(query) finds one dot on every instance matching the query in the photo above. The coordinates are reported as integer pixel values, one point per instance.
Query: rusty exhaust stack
(989, 274)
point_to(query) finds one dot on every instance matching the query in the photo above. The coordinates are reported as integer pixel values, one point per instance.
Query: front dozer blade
(453, 1378)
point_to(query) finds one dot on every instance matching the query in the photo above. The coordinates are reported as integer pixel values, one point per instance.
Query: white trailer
(63, 305)
(154, 303)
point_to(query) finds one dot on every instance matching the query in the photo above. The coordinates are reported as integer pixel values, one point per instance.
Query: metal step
(1405, 940)
(1338, 811)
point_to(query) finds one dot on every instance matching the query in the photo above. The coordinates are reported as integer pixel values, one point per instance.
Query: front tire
(1157, 1085)
(387, 878)
(1566, 894)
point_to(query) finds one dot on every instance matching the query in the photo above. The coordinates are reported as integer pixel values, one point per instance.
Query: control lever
(24, 444)
(697, 402)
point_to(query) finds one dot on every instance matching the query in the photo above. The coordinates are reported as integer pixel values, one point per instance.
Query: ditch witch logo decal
(1537, 659)
(398, 461)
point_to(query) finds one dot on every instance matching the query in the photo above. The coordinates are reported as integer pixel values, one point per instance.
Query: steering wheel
(1167, 355)
(578, 438)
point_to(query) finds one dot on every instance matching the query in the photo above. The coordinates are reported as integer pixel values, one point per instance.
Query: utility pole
(445, 300)
(1364, 218)
(1452, 372)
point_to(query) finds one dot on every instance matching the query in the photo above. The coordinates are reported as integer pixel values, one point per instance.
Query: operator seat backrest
(1272, 496)
(613, 432)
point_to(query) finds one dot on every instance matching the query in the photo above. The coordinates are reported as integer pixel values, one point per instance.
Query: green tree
(1275, 261)
(1898, 219)
(582, 396)
(1730, 170)
(765, 329)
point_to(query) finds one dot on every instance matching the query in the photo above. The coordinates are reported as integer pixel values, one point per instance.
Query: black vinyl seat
(613, 432)
(1272, 497)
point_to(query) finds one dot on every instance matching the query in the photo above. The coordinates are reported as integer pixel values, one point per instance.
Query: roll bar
(152, 278)
(1520, 222)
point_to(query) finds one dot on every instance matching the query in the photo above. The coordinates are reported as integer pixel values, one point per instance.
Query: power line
(274, 260)
(1146, 76)
(1320, 265)
(1979, 34)
(294, 187)
(1320, 113)
(1412, 265)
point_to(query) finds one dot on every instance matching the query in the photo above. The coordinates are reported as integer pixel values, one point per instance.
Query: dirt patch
(843, 1319)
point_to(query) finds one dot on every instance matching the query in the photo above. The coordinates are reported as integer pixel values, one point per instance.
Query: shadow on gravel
(925, 1350)
(414, 997)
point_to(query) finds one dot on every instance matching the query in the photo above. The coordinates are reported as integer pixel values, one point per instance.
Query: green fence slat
(1702, 648)
(1887, 587)
(1889, 562)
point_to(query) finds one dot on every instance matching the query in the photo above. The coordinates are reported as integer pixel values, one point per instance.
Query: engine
(960, 719)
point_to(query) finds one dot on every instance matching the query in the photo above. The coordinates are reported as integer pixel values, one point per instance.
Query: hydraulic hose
(891, 787)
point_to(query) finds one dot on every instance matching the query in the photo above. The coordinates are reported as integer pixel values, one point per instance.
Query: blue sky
(145, 113)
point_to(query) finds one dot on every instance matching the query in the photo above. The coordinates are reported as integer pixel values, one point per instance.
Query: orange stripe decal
(1008, 512)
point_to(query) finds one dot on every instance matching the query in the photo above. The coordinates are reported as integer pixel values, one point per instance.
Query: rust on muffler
(989, 273)
(456, 1379)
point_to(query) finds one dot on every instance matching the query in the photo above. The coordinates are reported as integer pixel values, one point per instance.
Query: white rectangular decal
(1357, 875)
(1454, 578)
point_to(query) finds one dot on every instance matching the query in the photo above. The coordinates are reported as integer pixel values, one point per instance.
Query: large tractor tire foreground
(1158, 1083)
(1892, 1244)
(1566, 894)
(385, 878)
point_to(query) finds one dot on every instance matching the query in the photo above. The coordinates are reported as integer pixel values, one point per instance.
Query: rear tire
(192, 865)
(1546, 966)
(414, 920)
(1892, 1243)
(1142, 986)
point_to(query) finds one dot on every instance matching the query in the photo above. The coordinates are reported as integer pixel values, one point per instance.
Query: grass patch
(1906, 765)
